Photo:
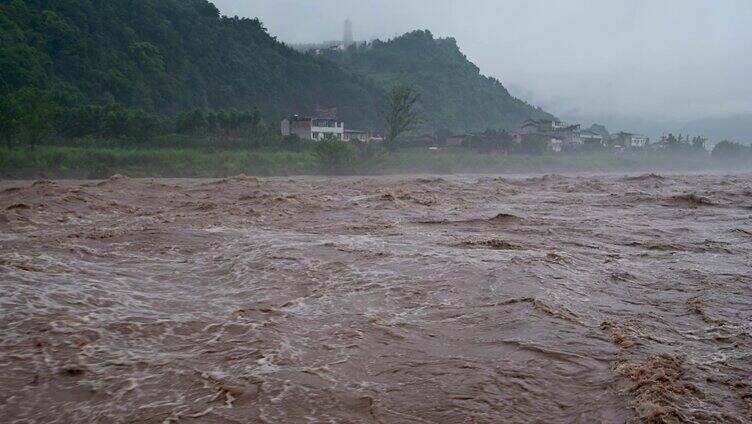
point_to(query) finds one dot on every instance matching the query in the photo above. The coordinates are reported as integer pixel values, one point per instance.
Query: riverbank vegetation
(334, 157)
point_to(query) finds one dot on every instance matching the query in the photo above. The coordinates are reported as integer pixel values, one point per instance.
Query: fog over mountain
(639, 65)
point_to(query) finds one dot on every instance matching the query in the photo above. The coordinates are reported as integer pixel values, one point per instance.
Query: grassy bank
(94, 162)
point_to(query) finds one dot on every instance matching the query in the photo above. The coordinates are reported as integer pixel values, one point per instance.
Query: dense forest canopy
(165, 56)
(454, 94)
(60, 58)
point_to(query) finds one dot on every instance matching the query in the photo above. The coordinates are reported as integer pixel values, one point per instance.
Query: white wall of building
(639, 141)
(319, 133)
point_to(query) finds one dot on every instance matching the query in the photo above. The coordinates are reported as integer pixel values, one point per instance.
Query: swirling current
(402, 299)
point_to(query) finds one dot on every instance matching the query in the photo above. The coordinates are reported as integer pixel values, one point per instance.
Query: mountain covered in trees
(454, 94)
(74, 61)
(163, 56)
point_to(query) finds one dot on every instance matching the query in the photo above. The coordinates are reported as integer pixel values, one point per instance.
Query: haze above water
(653, 67)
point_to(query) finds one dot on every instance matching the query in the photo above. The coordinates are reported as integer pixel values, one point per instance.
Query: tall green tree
(401, 115)
(9, 125)
(255, 120)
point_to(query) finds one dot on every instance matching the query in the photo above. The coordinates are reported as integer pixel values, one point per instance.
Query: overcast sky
(628, 60)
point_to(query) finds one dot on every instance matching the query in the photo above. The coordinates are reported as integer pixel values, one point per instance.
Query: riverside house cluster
(555, 135)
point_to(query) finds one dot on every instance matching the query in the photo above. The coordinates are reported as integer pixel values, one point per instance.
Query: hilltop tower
(348, 40)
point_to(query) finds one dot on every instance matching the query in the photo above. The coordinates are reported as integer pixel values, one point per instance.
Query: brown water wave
(386, 300)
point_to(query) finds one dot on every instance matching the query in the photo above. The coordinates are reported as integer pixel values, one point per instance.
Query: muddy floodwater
(462, 299)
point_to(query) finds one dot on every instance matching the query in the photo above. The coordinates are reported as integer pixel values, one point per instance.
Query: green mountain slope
(166, 56)
(454, 93)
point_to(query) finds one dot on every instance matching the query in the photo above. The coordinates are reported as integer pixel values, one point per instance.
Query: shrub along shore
(101, 162)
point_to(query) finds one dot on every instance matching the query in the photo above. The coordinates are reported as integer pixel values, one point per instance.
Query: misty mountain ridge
(170, 56)
(454, 94)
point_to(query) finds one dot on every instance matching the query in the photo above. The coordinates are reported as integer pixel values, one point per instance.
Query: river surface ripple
(462, 299)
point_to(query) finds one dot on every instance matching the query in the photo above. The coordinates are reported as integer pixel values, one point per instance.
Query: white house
(625, 139)
(591, 138)
(542, 125)
(566, 134)
(555, 144)
(312, 128)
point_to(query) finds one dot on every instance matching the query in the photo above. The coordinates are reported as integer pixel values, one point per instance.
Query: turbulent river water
(463, 299)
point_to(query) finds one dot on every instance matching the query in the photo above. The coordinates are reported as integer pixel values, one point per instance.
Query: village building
(591, 138)
(312, 128)
(532, 126)
(559, 134)
(556, 145)
(627, 140)
(539, 143)
(457, 140)
(354, 135)
(569, 135)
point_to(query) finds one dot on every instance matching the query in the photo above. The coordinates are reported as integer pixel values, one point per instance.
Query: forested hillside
(162, 56)
(112, 67)
(454, 94)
